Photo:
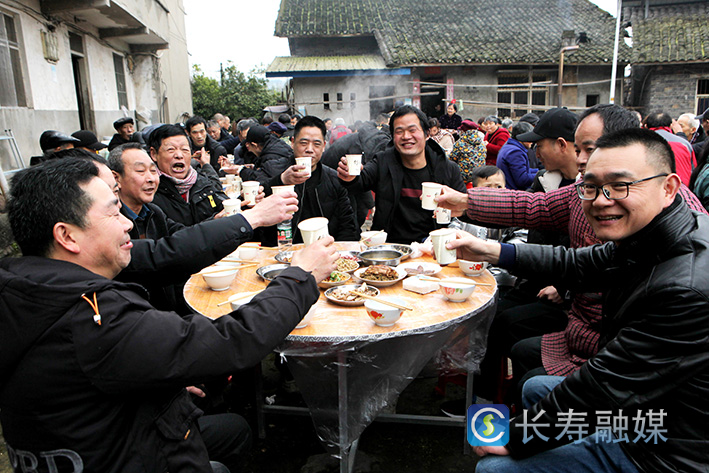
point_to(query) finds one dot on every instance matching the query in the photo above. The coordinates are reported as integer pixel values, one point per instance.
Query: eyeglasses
(611, 190)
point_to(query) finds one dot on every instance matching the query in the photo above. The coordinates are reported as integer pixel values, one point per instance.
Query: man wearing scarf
(184, 194)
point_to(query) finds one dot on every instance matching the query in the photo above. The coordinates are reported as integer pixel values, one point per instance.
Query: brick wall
(672, 89)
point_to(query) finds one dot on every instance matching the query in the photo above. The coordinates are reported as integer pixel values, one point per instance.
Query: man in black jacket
(396, 174)
(652, 364)
(185, 194)
(320, 193)
(118, 403)
(367, 141)
(264, 155)
(201, 142)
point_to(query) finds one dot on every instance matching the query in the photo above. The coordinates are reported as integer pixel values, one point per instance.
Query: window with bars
(120, 80)
(353, 100)
(326, 101)
(339, 100)
(12, 91)
(702, 95)
(522, 96)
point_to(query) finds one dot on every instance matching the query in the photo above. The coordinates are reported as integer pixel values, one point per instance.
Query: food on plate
(346, 295)
(337, 276)
(346, 264)
(380, 272)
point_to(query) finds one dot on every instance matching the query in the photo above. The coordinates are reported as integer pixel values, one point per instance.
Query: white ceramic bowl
(306, 319)
(382, 314)
(373, 238)
(237, 300)
(454, 291)
(472, 268)
(248, 253)
(219, 280)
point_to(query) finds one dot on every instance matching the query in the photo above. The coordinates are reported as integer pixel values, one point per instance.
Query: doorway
(81, 82)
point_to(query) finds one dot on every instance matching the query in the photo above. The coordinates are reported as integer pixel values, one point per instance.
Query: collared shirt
(140, 219)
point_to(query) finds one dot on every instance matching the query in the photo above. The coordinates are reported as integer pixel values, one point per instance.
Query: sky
(241, 31)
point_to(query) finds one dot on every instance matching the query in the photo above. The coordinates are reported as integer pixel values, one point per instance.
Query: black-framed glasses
(611, 190)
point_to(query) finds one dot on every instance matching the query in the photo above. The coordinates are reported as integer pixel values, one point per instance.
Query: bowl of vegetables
(336, 278)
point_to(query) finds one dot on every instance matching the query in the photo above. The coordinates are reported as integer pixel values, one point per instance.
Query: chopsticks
(368, 240)
(242, 295)
(217, 269)
(457, 281)
(381, 301)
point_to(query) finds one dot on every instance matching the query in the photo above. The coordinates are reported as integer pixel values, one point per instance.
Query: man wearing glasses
(654, 356)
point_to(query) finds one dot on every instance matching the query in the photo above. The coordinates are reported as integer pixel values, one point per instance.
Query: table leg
(346, 454)
(258, 387)
(468, 402)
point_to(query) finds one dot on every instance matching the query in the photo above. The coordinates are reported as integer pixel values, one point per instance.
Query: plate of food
(424, 268)
(347, 263)
(336, 278)
(380, 275)
(341, 295)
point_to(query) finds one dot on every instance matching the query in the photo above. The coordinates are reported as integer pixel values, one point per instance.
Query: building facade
(71, 65)
(355, 59)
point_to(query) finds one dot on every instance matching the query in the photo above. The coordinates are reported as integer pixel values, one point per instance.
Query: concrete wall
(159, 81)
(312, 90)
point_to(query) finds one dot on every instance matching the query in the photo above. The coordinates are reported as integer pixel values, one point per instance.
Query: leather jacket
(654, 353)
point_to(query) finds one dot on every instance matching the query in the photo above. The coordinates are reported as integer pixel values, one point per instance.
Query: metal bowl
(349, 287)
(270, 271)
(386, 257)
(284, 257)
(406, 250)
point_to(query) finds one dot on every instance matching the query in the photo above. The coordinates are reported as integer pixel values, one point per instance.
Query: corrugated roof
(411, 32)
(326, 63)
(678, 33)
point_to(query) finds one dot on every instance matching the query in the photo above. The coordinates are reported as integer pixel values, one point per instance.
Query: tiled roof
(411, 32)
(364, 62)
(670, 34)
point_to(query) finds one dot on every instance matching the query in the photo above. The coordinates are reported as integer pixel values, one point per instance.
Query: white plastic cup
(313, 229)
(354, 164)
(429, 191)
(281, 189)
(440, 238)
(306, 161)
(443, 216)
(230, 179)
(230, 158)
(250, 191)
(232, 206)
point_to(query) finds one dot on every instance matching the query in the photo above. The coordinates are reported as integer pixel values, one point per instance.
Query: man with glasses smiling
(654, 356)
(396, 174)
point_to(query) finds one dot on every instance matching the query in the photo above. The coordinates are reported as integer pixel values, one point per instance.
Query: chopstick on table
(217, 269)
(457, 281)
(381, 301)
(242, 296)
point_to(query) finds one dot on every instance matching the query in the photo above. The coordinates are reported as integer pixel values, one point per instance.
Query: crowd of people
(103, 359)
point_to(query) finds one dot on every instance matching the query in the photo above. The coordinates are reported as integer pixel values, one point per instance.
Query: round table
(347, 368)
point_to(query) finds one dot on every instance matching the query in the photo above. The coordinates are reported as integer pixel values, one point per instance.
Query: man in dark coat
(124, 132)
(119, 403)
(396, 174)
(368, 141)
(320, 194)
(653, 356)
(201, 142)
(185, 194)
(265, 156)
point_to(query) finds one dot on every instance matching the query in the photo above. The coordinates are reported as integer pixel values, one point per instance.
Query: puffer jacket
(79, 396)
(654, 353)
